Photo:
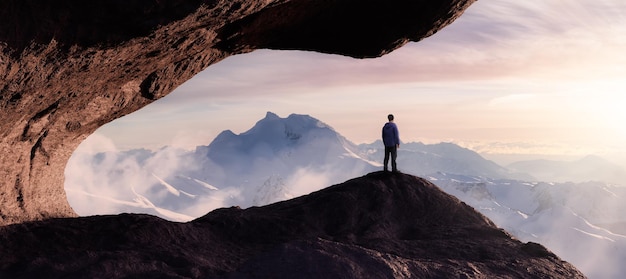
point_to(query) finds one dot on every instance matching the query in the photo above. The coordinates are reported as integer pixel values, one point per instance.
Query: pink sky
(508, 76)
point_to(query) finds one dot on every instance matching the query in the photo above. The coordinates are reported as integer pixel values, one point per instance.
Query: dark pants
(393, 150)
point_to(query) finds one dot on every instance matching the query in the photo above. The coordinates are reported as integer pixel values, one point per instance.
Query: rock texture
(377, 226)
(68, 66)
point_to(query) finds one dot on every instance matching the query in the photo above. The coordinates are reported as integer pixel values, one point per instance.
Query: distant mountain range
(278, 158)
(281, 158)
(589, 168)
(423, 159)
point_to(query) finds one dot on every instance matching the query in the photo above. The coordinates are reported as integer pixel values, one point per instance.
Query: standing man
(391, 139)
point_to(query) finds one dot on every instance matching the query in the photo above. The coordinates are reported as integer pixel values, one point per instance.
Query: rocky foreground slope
(378, 226)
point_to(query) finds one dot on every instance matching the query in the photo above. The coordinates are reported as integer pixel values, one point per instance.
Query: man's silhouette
(391, 139)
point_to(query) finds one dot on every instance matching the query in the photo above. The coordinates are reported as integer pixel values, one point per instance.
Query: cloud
(86, 175)
(305, 181)
(100, 179)
(172, 183)
(164, 182)
(493, 39)
(527, 147)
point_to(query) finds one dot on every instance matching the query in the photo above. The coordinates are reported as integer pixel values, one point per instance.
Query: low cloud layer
(180, 185)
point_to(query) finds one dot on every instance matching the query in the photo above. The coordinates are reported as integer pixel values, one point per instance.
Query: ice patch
(595, 235)
(169, 187)
(206, 185)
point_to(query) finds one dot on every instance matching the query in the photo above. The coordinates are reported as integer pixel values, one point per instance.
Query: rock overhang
(68, 67)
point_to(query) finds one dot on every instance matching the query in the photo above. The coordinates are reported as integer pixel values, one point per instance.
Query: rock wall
(68, 67)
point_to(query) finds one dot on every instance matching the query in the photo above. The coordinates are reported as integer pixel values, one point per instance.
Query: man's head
(390, 117)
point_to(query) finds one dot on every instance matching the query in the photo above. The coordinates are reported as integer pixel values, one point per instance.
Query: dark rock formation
(378, 226)
(68, 66)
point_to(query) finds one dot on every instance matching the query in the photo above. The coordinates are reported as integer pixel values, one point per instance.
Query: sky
(508, 77)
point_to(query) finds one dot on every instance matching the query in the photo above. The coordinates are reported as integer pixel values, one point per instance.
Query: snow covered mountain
(280, 158)
(277, 159)
(293, 150)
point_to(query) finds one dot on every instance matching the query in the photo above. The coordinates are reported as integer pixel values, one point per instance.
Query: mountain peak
(380, 225)
(271, 115)
(274, 133)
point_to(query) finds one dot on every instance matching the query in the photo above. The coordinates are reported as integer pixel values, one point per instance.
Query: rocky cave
(68, 67)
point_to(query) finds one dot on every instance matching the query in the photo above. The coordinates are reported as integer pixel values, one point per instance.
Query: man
(391, 139)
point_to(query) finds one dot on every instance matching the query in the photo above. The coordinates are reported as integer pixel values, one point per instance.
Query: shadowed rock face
(67, 67)
(377, 226)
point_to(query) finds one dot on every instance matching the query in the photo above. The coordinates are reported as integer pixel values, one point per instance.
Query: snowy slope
(564, 217)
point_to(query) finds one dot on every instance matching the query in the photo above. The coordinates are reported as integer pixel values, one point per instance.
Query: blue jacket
(391, 137)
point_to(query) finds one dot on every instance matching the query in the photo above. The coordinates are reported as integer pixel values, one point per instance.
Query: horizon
(101, 144)
(517, 79)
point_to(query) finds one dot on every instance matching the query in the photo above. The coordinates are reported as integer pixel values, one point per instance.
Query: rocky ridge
(68, 67)
(380, 225)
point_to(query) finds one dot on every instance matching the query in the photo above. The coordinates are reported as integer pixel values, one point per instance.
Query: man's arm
(397, 133)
